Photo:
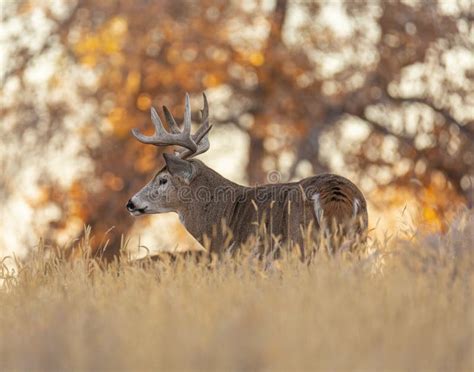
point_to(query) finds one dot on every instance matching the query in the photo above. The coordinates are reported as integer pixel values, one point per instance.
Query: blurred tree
(403, 73)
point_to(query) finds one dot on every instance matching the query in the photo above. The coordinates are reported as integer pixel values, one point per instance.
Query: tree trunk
(255, 172)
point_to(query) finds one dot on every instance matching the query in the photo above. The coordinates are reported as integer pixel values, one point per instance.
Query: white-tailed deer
(221, 214)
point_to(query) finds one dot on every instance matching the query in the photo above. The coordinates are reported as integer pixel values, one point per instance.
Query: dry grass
(413, 313)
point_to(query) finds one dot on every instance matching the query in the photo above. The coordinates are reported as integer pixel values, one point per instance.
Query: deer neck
(211, 204)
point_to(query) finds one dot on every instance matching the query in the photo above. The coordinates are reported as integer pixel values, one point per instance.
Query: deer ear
(179, 167)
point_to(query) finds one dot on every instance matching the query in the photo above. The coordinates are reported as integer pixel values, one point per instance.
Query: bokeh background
(379, 91)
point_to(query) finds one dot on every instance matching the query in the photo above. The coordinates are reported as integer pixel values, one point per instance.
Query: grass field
(406, 306)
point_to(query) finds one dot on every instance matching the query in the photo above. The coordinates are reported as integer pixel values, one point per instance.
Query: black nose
(130, 205)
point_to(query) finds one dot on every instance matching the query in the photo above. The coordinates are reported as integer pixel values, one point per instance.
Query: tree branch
(384, 130)
(442, 111)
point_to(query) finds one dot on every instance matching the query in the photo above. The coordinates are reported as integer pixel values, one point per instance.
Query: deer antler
(194, 144)
(200, 137)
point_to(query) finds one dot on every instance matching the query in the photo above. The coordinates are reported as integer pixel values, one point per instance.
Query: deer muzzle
(134, 209)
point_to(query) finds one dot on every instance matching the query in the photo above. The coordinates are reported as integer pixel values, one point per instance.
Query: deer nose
(130, 206)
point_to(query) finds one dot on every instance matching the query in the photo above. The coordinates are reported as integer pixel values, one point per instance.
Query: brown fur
(281, 209)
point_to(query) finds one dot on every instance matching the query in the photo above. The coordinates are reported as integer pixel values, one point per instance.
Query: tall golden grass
(408, 305)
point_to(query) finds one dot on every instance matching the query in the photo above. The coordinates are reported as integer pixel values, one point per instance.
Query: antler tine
(171, 122)
(155, 119)
(187, 115)
(187, 118)
(205, 109)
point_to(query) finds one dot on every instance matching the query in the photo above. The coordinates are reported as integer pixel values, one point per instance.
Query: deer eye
(163, 181)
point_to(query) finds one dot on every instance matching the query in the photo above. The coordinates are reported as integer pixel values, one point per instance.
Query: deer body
(222, 215)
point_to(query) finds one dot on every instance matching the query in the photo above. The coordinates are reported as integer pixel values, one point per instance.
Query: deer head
(161, 194)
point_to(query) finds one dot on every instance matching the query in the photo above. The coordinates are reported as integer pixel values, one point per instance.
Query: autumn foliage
(295, 77)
